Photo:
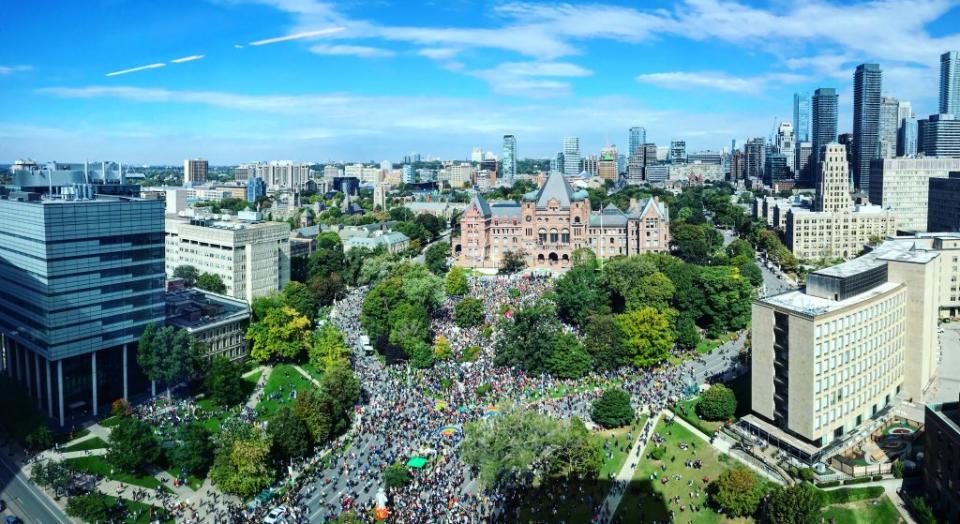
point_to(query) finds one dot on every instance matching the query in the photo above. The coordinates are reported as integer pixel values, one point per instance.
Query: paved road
(773, 283)
(23, 498)
(444, 237)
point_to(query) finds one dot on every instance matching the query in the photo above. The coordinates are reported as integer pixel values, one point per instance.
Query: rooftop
(193, 308)
(949, 413)
(813, 306)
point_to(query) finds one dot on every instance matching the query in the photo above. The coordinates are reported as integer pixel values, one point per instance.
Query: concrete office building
(836, 227)
(194, 171)
(252, 258)
(754, 152)
(950, 83)
(705, 157)
(828, 358)
(941, 438)
(80, 277)
(607, 164)
(217, 320)
(786, 145)
(866, 122)
(803, 161)
(737, 166)
(678, 151)
(903, 186)
(824, 128)
(888, 127)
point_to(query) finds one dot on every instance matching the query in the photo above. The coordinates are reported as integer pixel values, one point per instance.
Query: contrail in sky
(297, 36)
(135, 69)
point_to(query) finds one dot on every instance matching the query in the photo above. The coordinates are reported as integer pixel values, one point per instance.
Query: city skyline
(235, 81)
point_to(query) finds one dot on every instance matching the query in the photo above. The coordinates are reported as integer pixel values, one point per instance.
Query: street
(23, 498)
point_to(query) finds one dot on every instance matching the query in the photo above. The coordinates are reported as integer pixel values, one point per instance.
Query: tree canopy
(211, 282)
(283, 334)
(717, 403)
(736, 491)
(647, 336)
(132, 445)
(613, 409)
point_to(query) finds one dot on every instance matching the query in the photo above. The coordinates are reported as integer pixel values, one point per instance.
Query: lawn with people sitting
(671, 476)
(281, 389)
(86, 445)
(96, 465)
(873, 511)
(574, 501)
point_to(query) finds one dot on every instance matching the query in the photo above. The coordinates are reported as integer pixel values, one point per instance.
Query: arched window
(553, 236)
(576, 220)
(565, 236)
(543, 235)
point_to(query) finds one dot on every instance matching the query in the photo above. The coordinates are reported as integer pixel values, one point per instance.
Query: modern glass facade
(824, 122)
(866, 122)
(78, 278)
(950, 83)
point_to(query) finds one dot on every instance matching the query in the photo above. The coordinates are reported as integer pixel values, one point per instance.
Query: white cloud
(136, 69)
(531, 79)
(297, 36)
(190, 58)
(438, 53)
(351, 50)
(9, 70)
(716, 80)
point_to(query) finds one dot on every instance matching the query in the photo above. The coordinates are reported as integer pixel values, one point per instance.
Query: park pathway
(625, 475)
(308, 376)
(258, 388)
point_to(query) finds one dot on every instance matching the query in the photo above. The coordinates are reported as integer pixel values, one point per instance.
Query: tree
(647, 336)
(442, 349)
(736, 491)
(132, 445)
(326, 289)
(468, 312)
(283, 334)
(569, 359)
(242, 463)
(396, 476)
(328, 258)
(52, 474)
(39, 439)
(527, 340)
(262, 305)
(170, 355)
(727, 298)
(751, 272)
(188, 273)
(612, 409)
(692, 242)
(342, 386)
(604, 340)
(329, 348)
(688, 337)
(579, 293)
(314, 409)
(211, 282)
(525, 448)
(796, 504)
(192, 450)
(289, 435)
(740, 247)
(92, 507)
(224, 383)
(717, 403)
(513, 261)
(457, 285)
(300, 297)
(436, 257)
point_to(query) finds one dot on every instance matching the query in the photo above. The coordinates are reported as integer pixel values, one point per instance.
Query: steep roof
(482, 205)
(556, 187)
(639, 209)
(610, 216)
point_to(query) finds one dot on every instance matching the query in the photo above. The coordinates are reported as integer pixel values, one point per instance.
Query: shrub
(483, 389)
(657, 453)
(877, 477)
(859, 480)
(396, 476)
(613, 409)
(923, 511)
(470, 354)
(897, 469)
(717, 403)
(830, 484)
(737, 491)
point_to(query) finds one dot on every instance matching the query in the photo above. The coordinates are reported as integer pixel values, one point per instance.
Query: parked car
(276, 516)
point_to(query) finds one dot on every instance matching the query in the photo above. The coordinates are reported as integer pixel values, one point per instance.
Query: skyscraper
(907, 137)
(942, 136)
(950, 83)
(786, 145)
(866, 122)
(754, 152)
(824, 129)
(638, 136)
(571, 156)
(80, 278)
(509, 159)
(887, 130)
(678, 151)
(801, 117)
(194, 171)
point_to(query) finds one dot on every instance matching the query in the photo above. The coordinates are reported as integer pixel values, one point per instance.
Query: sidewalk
(258, 387)
(625, 475)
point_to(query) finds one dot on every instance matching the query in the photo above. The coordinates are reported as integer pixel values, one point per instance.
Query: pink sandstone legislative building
(549, 224)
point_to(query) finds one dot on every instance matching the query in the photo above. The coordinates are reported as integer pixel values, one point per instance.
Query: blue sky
(314, 80)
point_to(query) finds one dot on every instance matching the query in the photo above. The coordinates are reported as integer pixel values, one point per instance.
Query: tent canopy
(417, 462)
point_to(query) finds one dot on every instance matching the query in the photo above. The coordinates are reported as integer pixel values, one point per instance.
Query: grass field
(99, 466)
(687, 410)
(312, 371)
(649, 500)
(93, 443)
(574, 501)
(134, 508)
(109, 422)
(876, 511)
(277, 391)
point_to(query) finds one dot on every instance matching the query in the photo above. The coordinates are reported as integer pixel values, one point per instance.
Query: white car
(276, 516)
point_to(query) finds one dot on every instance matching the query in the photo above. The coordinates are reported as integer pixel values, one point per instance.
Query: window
(543, 235)
(553, 236)
(565, 236)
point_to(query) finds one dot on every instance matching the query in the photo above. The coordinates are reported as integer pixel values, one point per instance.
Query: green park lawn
(877, 511)
(646, 498)
(709, 344)
(111, 421)
(134, 507)
(84, 445)
(687, 410)
(99, 466)
(276, 393)
(312, 370)
(574, 501)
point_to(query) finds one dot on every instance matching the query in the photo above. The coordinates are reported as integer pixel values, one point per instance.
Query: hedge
(859, 480)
